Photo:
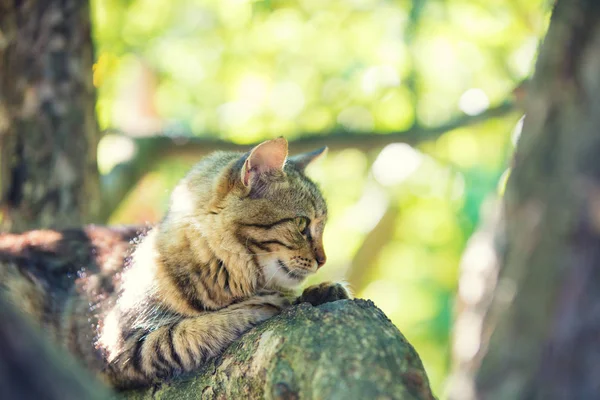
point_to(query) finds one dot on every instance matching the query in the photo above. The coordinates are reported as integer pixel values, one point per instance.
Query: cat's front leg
(324, 293)
(185, 345)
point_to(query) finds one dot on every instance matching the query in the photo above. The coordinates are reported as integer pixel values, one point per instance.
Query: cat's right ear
(303, 160)
(266, 158)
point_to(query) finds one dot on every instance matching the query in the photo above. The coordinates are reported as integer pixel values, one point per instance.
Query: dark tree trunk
(48, 173)
(544, 316)
(48, 130)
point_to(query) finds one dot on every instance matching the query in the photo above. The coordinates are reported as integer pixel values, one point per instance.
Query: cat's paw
(262, 306)
(324, 293)
(273, 299)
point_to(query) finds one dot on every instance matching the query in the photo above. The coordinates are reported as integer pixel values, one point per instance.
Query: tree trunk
(544, 316)
(342, 350)
(48, 130)
(48, 173)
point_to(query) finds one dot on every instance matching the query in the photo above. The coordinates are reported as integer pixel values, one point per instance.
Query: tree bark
(48, 130)
(48, 173)
(544, 316)
(342, 350)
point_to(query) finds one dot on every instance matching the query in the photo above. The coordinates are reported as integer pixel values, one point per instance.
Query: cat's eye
(302, 224)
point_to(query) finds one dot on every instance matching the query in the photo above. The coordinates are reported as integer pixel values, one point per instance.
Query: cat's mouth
(294, 274)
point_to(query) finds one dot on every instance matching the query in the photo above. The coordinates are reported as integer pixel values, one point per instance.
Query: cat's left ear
(267, 157)
(305, 159)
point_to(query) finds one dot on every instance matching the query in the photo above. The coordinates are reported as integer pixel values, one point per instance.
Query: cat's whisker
(271, 278)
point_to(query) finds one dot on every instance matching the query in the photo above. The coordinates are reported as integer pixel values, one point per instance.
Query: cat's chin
(279, 274)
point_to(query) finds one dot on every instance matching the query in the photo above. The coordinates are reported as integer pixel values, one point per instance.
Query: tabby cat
(242, 231)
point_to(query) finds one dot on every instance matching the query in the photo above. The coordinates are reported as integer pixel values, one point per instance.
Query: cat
(242, 232)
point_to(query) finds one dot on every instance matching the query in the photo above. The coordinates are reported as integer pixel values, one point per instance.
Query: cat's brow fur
(241, 232)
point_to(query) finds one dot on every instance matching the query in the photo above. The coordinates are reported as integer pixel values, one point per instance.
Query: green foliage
(249, 70)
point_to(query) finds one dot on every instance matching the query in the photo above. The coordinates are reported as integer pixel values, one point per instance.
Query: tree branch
(342, 350)
(152, 149)
(336, 140)
(370, 249)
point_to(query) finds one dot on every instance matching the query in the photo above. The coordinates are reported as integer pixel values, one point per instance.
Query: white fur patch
(274, 275)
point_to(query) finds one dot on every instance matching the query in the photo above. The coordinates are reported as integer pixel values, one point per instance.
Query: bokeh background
(421, 98)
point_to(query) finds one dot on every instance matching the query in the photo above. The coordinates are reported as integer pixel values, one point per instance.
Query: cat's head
(261, 203)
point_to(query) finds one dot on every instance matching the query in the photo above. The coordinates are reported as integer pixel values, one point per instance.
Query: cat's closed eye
(302, 224)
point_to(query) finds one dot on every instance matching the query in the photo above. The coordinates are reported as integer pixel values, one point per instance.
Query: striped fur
(242, 231)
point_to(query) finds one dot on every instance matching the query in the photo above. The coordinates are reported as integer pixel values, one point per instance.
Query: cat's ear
(304, 159)
(266, 157)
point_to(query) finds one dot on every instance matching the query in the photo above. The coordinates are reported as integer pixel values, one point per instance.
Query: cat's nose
(321, 258)
(319, 251)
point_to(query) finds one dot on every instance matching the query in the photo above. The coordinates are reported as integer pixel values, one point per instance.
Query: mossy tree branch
(342, 350)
